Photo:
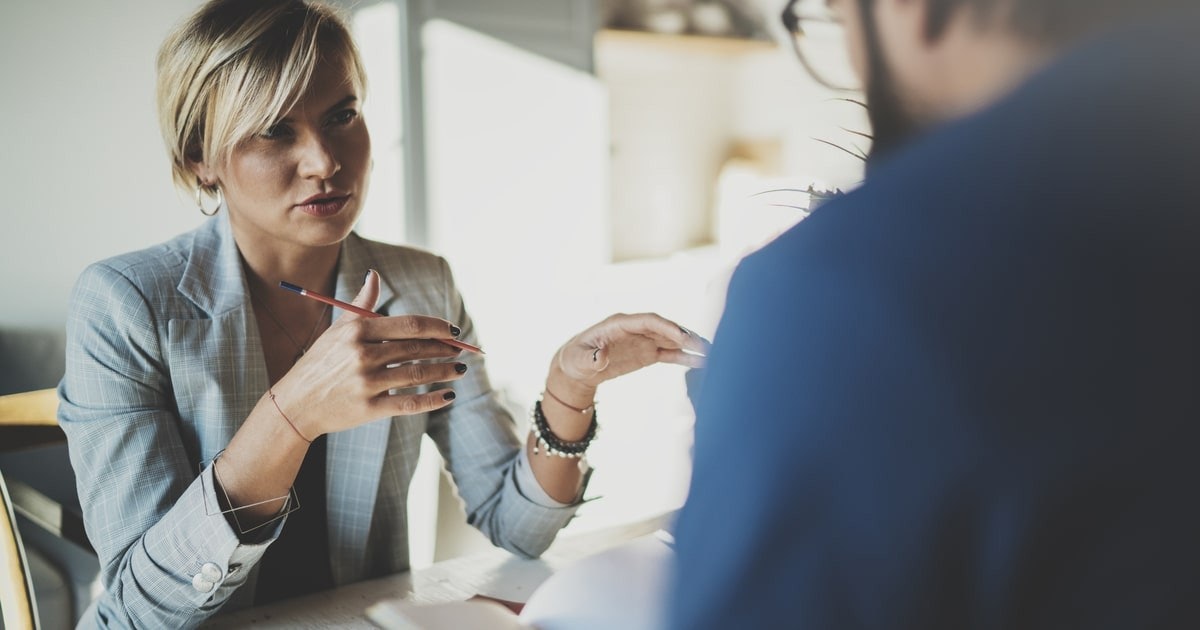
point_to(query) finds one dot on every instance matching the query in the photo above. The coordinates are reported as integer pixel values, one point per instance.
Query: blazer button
(211, 572)
(201, 584)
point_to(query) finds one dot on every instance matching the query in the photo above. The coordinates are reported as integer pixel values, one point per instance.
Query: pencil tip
(291, 287)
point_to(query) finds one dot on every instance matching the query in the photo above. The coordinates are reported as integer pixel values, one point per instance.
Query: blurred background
(571, 159)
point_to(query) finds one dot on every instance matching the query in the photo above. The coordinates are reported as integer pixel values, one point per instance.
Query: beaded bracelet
(554, 445)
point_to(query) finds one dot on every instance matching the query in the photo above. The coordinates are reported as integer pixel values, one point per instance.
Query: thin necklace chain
(300, 349)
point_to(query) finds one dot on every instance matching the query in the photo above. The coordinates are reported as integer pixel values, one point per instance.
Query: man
(967, 395)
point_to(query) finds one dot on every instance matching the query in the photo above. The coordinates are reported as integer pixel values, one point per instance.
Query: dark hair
(890, 127)
(1049, 22)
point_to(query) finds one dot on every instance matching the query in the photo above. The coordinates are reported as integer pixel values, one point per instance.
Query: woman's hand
(616, 346)
(344, 378)
(626, 343)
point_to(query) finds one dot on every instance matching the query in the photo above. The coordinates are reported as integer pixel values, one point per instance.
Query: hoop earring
(200, 202)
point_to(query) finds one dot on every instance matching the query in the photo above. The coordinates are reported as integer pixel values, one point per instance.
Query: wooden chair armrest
(36, 408)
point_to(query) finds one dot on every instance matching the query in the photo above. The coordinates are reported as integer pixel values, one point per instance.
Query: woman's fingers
(668, 333)
(623, 343)
(413, 375)
(406, 327)
(367, 295)
(383, 354)
(679, 357)
(695, 343)
(410, 404)
(395, 327)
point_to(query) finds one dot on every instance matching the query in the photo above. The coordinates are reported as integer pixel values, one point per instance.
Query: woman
(235, 443)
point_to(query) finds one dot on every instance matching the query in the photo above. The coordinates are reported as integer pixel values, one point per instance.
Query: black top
(297, 563)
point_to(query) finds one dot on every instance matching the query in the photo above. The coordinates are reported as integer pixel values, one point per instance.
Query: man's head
(927, 61)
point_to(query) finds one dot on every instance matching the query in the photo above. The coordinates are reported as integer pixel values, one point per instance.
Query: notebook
(622, 587)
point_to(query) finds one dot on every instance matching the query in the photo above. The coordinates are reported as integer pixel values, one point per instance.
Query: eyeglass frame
(792, 24)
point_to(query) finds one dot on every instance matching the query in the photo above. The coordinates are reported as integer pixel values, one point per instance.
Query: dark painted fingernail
(455, 330)
(449, 395)
(368, 276)
(685, 331)
(595, 355)
(461, 368)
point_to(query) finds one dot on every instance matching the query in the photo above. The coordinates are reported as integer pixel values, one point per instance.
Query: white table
(494, 573)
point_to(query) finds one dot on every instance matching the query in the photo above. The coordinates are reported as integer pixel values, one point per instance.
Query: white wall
(83, 171)
(518, 182)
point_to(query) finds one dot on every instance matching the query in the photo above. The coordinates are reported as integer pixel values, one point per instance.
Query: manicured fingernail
(455, 331)
(449, 395)
(368, 276)
(595, 355)
(685, 331)
(461, 368)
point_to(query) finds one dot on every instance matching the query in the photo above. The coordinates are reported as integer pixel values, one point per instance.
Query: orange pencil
(346, 306)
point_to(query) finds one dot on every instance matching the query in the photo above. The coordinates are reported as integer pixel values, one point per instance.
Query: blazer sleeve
(477, 437)
(168, 557)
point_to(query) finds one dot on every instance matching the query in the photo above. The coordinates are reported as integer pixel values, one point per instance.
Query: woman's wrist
(572, 391)
(290, 410)
(568, 405)
(244, 486)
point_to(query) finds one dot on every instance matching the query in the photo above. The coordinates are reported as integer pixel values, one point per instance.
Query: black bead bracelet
(544, 438)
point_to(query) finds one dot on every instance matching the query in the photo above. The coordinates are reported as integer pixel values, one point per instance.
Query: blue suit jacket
(164, 362)
(968, 394)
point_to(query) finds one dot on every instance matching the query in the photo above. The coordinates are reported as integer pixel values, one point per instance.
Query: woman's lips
(324, 207)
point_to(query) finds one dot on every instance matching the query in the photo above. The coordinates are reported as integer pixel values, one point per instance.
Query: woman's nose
(317, 160)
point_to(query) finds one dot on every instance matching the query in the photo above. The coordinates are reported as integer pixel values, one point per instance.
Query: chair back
(16, 586)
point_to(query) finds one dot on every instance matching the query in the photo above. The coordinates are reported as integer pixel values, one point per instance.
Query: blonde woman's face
(302, 181)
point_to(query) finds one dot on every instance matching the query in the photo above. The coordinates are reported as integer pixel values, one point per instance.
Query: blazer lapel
(354, 261)
(225, 345)
(355, 456)
(215, 281)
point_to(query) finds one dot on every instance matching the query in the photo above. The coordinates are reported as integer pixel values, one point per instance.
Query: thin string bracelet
(585, 410)
(287, 419)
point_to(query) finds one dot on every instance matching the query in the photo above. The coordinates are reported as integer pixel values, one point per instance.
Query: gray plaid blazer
(164, 362)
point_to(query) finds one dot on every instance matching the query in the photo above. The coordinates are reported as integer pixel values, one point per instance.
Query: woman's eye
(344, 117)
(276, 131)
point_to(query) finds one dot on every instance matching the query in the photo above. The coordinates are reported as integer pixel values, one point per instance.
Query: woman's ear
(200, 168)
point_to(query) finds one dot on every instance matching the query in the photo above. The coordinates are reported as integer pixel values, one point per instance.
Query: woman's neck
(313, 268)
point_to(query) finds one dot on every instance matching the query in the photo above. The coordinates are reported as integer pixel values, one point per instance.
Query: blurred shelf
(701, 44)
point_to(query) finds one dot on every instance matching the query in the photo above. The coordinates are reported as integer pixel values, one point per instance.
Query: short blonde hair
(234, 67)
